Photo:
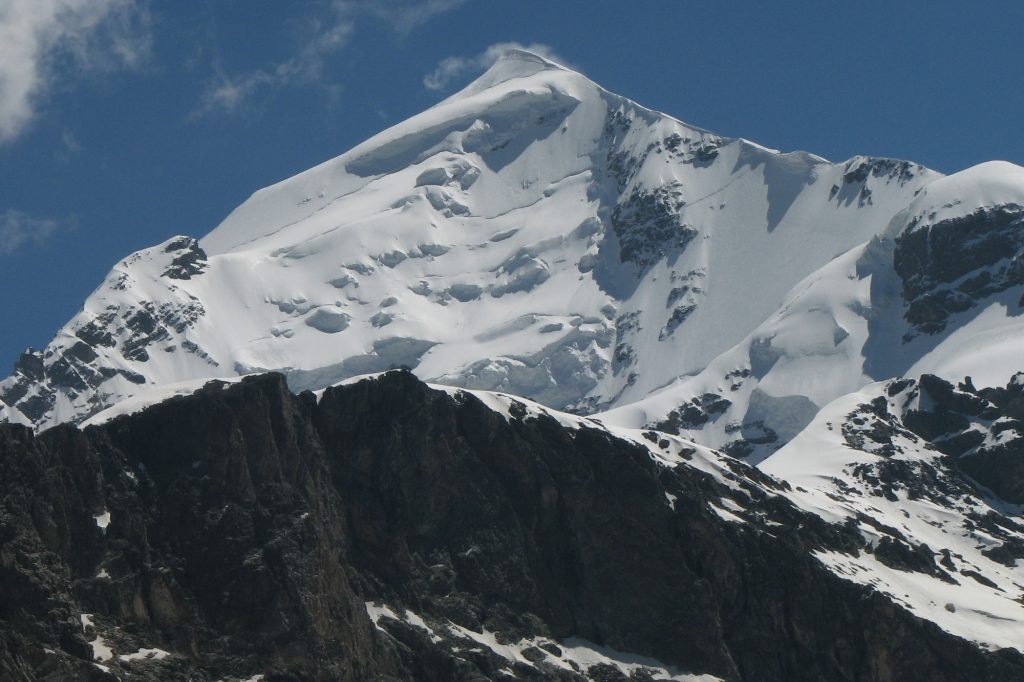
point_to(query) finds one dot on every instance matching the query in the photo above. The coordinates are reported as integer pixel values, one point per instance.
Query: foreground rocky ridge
(388, 530)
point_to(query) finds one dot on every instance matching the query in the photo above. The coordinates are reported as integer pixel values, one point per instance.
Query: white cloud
(40, 40)
(69, 146)
(327, 32)
(18, 229)
(453, 68)
(403, 17)
(321, 39)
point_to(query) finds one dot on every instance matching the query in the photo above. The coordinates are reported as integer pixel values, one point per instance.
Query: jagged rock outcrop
(389, 530)
(982, 430)
(934, 261)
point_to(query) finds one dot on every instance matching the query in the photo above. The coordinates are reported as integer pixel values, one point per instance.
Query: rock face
(982, 430)
(388, 530)
(934, 263)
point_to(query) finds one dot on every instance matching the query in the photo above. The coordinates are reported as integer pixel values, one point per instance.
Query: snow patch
(100, 650)
(144, 655)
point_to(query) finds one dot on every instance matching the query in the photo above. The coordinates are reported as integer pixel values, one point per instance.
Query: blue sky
(124, 122)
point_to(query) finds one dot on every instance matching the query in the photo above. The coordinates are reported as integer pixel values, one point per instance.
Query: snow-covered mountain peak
(519, 91)
(533, 234)
(512, 64)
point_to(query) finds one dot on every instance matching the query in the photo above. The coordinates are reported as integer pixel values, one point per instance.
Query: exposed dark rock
(906, 556)
(978, 577)
(872, 430)
(649, 226)
(930, 259)
(30, 365)
(189, 259)
(699, 411)
(678, 316)
(1006, 553)
(751, 434)
(979, 429)
(248, 527)
(78, 369)
(626, 327)
(999, 468)
(860, 170)
(700, 152)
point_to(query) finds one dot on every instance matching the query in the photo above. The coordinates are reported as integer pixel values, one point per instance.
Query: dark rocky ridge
(977, 437)
(982, 430)
(933, 262)
(248, 526)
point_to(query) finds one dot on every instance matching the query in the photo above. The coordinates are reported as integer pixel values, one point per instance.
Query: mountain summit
(533, 234)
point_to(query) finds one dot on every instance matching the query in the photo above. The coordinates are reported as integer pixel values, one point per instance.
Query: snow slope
(533, 234)
(940, 291)
(857, 463)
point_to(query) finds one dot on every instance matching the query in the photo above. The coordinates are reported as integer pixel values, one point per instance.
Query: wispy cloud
(45, 41)
(70, 144)
(403, 17)
(19, 229)
(453, 68)
(326, 33)
(226, 93)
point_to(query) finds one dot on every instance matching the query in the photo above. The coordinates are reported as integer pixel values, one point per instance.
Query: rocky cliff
(389, 530)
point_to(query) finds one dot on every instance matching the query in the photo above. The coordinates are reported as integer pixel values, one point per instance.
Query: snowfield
(533, 234)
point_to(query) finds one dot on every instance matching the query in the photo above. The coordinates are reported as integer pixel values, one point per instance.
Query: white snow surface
(144, 655)
(842, 328)
(101, 651)
(102, 519)
(481, 243)
(819, 464)
(153, 396)
(13, 415)
(993, 183)
(574, 650)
